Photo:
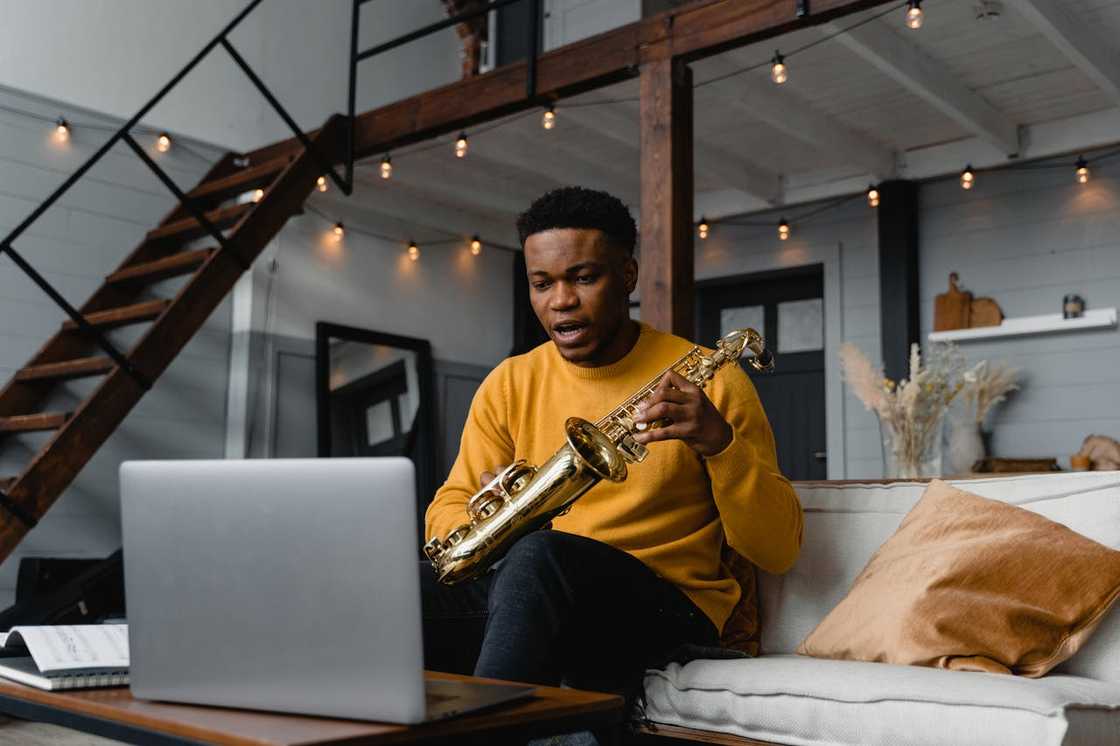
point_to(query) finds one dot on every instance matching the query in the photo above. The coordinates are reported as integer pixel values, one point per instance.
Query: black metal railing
(345, 182)
(123, 134)
(532, 32)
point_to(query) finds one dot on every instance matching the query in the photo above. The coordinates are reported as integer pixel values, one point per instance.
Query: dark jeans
(560, 608)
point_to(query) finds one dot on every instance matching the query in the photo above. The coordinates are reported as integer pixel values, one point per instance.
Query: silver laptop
(288, 585)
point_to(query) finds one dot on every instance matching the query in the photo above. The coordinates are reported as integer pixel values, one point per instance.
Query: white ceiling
(880, 100)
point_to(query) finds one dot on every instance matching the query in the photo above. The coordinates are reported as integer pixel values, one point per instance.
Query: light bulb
(62, 130)
(386, 167)
(779, 73)
(702, 228)
(968, 178)
(783, 230)
(461, 145)
(413, 251)
(338, 230)
(873, 196)
(914, 15)
(163, 142)
(548, 121)
(321, 183)
(1082, 171)
(476, 245)
(258, 195)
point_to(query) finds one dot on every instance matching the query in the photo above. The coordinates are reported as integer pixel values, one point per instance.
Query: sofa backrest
(846, 523)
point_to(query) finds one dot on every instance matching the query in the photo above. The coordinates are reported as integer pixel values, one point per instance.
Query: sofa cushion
(794, 700)
(846, 523)
(969, 583)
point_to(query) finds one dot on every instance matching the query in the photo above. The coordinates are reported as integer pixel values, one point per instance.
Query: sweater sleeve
(759, 508)
(486, 445)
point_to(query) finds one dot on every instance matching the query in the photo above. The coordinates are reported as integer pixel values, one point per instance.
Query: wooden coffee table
(113, 713)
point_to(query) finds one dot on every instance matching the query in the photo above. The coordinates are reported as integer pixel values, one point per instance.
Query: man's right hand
(488, 476)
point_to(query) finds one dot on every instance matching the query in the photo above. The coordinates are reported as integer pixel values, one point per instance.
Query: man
(633, 571)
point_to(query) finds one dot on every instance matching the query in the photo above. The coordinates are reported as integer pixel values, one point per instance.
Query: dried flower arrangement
(910, 411)
(986, 386)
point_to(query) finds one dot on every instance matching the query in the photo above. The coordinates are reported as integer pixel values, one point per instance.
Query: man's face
(580, 287)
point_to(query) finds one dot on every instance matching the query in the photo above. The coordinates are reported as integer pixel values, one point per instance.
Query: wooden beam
(902, 60)
(666, 275)
(693, 31)
(1079, 41)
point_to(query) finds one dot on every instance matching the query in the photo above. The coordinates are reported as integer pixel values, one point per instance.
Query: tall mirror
(374, 398)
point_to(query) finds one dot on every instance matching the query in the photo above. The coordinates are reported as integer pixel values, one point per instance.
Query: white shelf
(1097, 318)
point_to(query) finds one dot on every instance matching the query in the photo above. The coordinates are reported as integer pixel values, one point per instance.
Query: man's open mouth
(570, 331)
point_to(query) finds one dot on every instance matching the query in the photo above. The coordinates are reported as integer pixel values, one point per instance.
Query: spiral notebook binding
(89, 680)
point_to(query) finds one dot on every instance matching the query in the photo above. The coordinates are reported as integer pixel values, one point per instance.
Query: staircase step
(64, 371)
(240, 182)
(123, 316)
(188, 228)
(183, 263)
(29, 423)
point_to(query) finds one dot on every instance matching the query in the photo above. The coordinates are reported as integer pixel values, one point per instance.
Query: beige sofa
(789, 699)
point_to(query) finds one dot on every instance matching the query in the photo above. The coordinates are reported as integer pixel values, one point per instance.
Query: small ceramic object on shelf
(1073, 306)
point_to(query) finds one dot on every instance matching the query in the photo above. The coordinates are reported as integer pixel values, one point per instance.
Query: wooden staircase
(122, 300)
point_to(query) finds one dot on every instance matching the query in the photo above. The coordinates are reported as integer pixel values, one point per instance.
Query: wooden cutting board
(952, 310)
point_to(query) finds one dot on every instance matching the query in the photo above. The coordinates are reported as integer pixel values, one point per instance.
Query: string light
(548, 121)
(413, 251)
(1082, 170)
(258, 195)
(914, 15)
(163, 142)
(461, 145)
(968, 178)
(779, 73)
(873, 196)
(62, 129)
(476, 245)
(321, 183)
(338, 230)
(703, 228)
(783, 230)
(386, 167)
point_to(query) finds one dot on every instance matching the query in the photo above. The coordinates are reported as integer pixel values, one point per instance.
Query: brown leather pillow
(973, 584)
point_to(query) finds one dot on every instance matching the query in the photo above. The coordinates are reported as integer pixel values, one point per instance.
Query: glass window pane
(379, 422)
(801, 325)
(741, 317)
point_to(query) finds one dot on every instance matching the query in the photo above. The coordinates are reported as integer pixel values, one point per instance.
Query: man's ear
(630, 274)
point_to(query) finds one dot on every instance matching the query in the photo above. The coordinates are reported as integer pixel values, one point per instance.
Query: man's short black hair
(577, 207)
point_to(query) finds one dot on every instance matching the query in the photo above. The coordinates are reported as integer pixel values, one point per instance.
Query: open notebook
(67, 656)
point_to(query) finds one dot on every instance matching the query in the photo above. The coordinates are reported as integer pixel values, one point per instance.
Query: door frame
(829, 258)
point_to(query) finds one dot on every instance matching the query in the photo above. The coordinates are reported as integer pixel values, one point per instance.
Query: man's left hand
(690, 416)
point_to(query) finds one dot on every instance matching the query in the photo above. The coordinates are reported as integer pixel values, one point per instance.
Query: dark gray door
(787, 307)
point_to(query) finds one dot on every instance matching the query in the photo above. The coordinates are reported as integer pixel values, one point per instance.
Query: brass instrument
(524, 498)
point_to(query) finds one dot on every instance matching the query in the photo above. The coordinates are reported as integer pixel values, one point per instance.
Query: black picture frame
(424, 453)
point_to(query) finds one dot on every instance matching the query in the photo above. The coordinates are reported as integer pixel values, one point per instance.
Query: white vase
(966, 447)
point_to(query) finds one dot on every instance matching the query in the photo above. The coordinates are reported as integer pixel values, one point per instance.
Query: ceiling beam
(619, 122)
(692, 31)
(791, 115)
(903, 61)
(399, 207)
(1079, 42)
(552, 154)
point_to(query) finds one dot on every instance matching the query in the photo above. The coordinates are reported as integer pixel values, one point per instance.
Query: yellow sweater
(674, 509)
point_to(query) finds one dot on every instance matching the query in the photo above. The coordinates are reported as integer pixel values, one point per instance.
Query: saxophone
(524, 498)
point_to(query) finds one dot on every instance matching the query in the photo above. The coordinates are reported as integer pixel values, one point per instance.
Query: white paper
(78, 647)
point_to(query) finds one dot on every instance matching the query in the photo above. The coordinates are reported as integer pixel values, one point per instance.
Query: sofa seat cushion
(790, 699)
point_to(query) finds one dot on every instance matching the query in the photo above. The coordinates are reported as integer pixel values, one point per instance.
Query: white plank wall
(1026, 238)
(74, 245)
(846, 238)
